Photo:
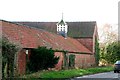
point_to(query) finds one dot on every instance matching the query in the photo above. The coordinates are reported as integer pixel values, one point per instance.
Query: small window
(26, 52)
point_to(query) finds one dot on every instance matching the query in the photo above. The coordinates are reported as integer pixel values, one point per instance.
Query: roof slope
(75, 29)
(31, 38)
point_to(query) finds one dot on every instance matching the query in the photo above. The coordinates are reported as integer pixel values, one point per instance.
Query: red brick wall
(21, 62)
(60, 62)
(84, 60)
(81, 61)
(21, 65)
(88, 42)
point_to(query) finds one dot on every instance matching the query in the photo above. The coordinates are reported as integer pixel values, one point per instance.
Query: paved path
(100, 76)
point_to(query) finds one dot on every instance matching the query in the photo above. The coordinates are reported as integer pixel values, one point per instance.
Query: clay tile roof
(75, 29)
(32, 38)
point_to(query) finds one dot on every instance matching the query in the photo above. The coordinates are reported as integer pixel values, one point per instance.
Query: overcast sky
(102, 11)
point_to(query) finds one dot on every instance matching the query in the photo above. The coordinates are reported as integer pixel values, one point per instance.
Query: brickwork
(60, 62)
(21, 64)
(84, 60)
(88, 42)
(81, 60)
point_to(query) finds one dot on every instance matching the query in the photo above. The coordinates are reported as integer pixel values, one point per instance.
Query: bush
(42, 58)
(8, 55)
(112, 52)
(97, 51)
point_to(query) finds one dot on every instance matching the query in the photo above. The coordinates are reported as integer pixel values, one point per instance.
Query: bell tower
(62, 28)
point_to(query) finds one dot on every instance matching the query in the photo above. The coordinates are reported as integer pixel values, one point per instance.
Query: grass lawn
(67, 73)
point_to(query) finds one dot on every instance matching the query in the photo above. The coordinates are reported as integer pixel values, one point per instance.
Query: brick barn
(76, 38)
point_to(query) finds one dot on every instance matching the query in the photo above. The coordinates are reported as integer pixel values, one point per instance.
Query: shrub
(8, 55)
(113, 52)
(42, 58)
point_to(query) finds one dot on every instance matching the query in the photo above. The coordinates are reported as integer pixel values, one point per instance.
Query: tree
(42, 58)
(108, 35)
(97, 51)
(112, 53)
(8, 55)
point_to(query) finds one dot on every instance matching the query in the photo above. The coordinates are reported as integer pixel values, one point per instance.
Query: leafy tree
(8, 54)
(108, 36)
(112, 52)
(42, 58)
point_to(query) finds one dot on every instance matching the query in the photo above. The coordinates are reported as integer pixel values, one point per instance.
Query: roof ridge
(34, 21)
(26, 26)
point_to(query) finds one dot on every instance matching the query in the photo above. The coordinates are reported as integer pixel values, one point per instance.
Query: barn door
(71, 61)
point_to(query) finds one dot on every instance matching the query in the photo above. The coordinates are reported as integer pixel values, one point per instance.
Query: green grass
(68, 73)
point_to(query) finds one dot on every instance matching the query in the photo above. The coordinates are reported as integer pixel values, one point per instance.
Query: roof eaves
(74, 52)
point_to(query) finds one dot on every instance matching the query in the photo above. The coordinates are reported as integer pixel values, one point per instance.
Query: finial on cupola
(62, 15)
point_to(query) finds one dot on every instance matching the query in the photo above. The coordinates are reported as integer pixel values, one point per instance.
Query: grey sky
(102, 11)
